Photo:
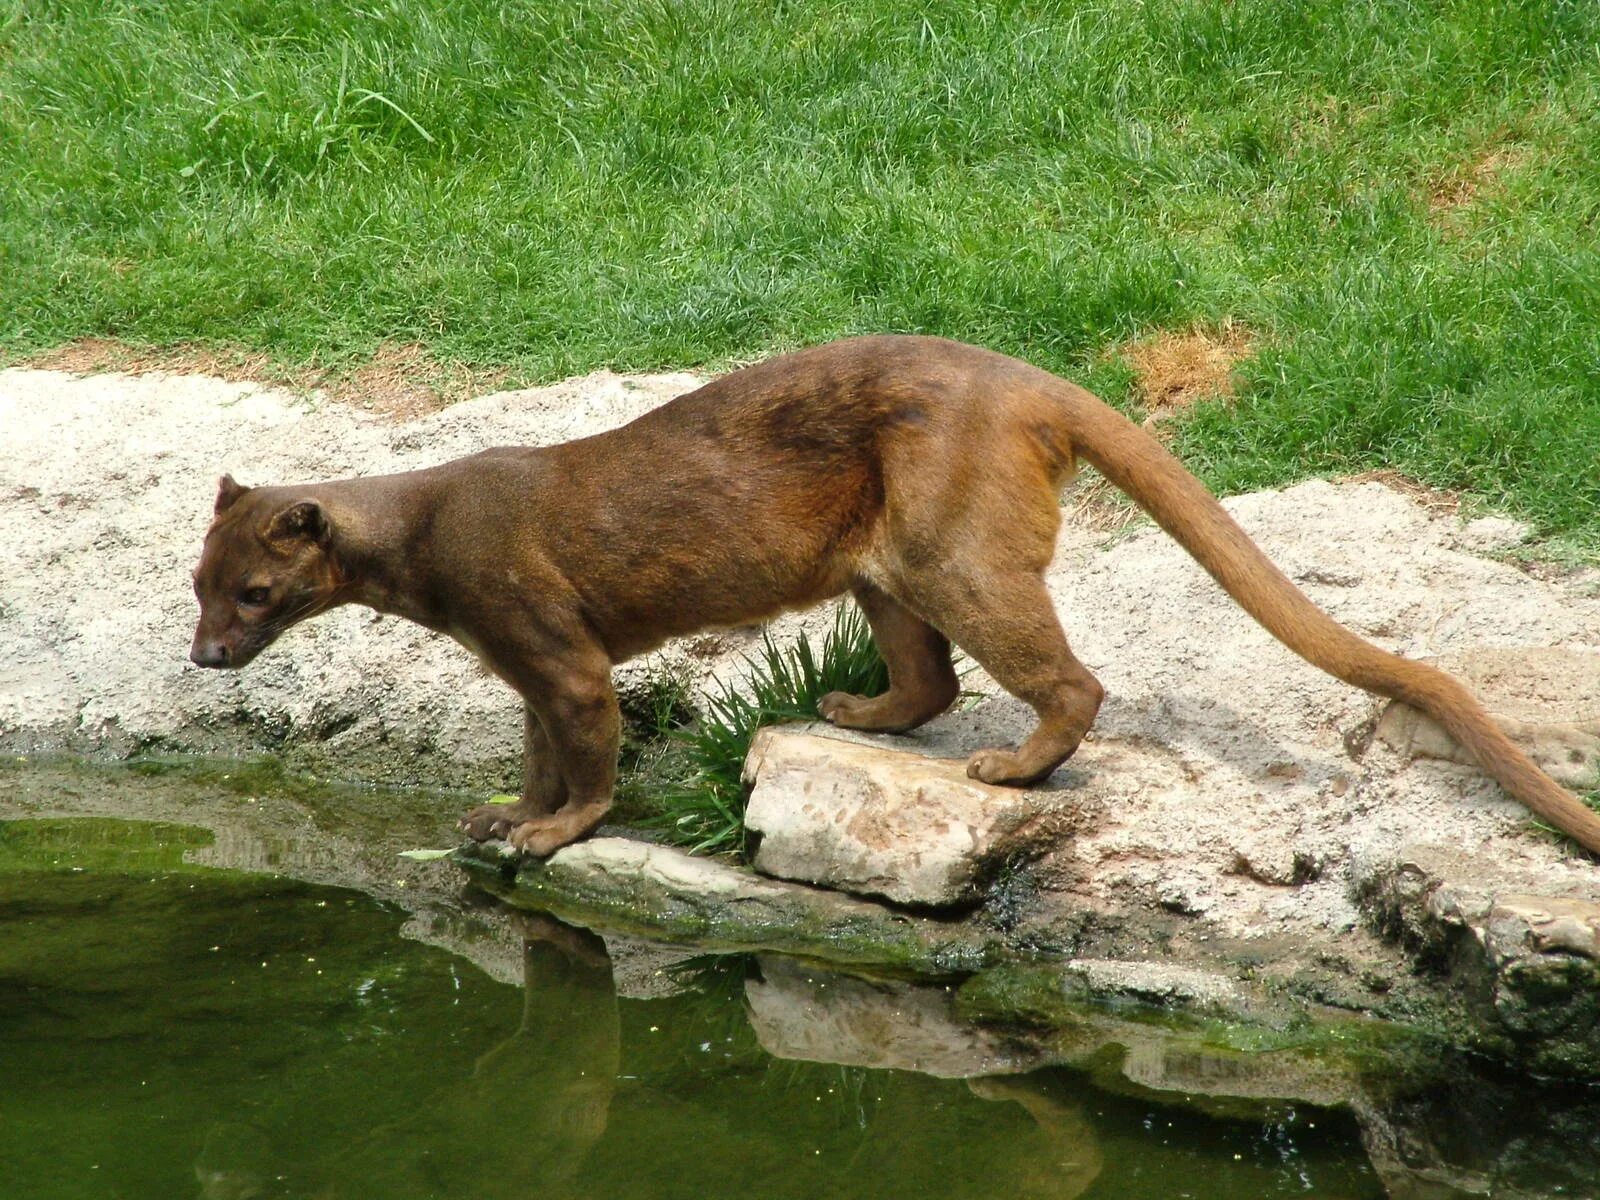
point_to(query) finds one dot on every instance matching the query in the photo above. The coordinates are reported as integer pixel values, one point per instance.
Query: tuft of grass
(698, 791)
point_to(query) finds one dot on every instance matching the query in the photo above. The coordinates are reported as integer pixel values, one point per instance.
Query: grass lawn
(1393, 201)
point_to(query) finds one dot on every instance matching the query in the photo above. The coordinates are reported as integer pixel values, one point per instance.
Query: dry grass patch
(97, 356)
(1092, 502)
(1172, 370)
(403, 381)
(1454, 189)
(1175, 370)
(400, 381)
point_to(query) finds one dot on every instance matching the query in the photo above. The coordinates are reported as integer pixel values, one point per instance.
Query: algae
(103, 846)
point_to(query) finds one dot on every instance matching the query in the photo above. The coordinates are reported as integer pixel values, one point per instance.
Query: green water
(168, 1031)
(246, 993)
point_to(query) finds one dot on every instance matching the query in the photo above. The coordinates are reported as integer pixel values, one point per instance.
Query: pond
(174, 1026)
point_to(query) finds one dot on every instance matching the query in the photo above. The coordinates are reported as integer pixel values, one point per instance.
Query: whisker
(283, 620)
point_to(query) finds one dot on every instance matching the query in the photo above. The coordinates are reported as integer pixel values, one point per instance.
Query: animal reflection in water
(1063, 1157)
(521, 1124)
(527, 1120)
(536, 1104)
(547, 1089)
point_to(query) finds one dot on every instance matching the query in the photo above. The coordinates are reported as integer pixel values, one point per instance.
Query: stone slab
(1527, 964)
(879, 822)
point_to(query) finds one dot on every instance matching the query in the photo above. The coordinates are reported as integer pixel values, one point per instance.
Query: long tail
(1137, 464)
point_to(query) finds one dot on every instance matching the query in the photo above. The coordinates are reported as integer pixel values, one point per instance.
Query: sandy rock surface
(1245, 757)
(1234, 784)
(1547, 699)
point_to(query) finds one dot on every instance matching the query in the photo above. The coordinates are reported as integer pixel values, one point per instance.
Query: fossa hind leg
(1007, 623)
(967, 551)
(922, 680)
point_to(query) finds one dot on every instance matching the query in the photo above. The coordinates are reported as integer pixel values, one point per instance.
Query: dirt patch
(1174, 370)
(401, 380)
(98, 356)
(1437, 501)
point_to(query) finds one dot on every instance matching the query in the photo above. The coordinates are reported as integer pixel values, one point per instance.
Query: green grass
(1590, 798)
(550, 186)
(691, 787)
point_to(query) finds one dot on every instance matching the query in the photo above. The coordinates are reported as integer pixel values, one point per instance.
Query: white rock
(887, 823)
(1158, 983)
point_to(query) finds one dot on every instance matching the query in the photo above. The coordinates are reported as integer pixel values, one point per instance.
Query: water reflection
(805, 1012)
(1439, 1128)
(518, 1119)
(184, 1031)
(1062, 1152)
(551, 1082)
(235, 1163)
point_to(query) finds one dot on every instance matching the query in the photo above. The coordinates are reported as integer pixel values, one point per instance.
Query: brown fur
(920, 475)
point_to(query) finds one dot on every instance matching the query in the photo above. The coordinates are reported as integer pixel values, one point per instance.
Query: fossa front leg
(544, 790)
(565, 677)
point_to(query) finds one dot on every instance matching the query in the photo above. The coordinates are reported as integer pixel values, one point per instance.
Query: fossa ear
(304, 520)
(228, 490)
